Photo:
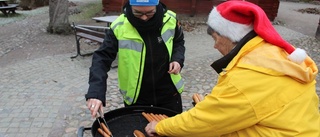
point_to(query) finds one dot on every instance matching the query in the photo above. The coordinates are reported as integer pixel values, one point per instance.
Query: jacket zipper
(153, 84)
(152, 72)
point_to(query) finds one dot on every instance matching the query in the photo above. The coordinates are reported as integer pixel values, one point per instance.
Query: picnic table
(6, 8)
(107, 19)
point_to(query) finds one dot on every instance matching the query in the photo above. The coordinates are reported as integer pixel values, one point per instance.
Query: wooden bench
(9, 8)
(93, 33)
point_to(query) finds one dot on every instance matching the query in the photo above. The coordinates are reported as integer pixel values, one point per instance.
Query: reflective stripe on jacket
(131, 55)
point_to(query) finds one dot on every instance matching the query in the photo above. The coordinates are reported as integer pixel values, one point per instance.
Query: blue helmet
(144, 2)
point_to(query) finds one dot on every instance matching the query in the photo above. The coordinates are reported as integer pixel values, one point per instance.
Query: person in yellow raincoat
(266, 87)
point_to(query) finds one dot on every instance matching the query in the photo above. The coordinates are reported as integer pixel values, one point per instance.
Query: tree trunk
(59, 21)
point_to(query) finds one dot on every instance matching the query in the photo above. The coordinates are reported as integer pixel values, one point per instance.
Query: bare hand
(174, 68)
(94, 105)
(150, 129)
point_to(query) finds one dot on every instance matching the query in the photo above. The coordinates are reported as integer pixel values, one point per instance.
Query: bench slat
(93, 27)
(91, 37)
(94, 33)
(91, 32)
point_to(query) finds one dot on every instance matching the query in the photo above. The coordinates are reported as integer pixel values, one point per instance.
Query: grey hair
(211, 30)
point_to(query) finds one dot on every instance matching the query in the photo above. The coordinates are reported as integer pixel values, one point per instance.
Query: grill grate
(124, 126)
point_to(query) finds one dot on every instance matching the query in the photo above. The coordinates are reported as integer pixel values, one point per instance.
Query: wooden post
(193, 7)
(318, 31)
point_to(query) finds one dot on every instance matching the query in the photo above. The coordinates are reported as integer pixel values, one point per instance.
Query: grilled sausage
(138, 133)
(104, 134)
(155, 117)
(160, 116)
(195, 98)
(165, 116)
(105, 129)
(147, 116)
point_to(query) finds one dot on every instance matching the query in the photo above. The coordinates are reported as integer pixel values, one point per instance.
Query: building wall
(194, 7)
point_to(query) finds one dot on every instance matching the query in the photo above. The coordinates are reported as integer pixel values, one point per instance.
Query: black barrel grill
(123, 121)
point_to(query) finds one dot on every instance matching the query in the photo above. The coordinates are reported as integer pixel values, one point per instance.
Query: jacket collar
(223, 62)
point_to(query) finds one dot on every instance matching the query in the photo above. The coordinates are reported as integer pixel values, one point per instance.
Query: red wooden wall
(270, 7)
(193, 7)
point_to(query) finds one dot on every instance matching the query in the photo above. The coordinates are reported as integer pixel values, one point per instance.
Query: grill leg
(81, 130)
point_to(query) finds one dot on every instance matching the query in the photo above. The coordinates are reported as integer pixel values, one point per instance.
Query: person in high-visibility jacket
(149, 43)
(266, 87)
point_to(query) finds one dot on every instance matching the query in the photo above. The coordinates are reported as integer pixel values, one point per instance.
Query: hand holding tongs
(104, 128)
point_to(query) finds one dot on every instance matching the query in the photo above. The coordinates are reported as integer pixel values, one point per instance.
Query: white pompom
(298, 56)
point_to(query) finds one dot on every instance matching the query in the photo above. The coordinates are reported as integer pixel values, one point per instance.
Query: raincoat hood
(272, 60)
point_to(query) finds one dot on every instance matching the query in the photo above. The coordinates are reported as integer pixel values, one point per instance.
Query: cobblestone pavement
(45, 97)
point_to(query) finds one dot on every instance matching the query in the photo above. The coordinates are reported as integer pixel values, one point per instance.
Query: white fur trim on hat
(298, 56)
(234, 31)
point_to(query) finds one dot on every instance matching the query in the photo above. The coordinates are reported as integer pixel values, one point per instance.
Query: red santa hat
(235, 19)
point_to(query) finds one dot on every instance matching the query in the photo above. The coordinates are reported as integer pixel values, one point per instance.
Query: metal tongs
(104, 129)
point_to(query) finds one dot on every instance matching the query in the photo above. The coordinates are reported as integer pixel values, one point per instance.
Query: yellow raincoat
(260, 94)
